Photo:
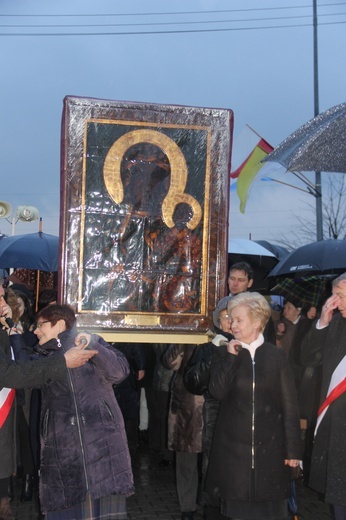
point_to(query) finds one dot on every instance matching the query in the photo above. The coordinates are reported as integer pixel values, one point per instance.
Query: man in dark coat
(328, 464)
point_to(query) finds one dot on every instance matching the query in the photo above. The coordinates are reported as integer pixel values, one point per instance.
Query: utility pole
(318, 183)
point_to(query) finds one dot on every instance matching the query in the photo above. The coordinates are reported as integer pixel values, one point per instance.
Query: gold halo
(179, 172)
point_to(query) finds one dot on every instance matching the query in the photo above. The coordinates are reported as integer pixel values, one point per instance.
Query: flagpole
(318, 184)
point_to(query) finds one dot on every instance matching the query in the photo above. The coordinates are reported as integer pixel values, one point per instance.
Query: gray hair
(259, 308)
(339, 279)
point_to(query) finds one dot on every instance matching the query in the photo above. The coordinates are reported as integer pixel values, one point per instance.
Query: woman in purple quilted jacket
(85, 470)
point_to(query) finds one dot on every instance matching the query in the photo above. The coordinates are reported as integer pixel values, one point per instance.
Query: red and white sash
(7, 396)
(337, 387)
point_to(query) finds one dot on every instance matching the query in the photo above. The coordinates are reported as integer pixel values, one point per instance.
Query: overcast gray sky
(253, 57)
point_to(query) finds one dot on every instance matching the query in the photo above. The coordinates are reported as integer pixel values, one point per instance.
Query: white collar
(253, 345)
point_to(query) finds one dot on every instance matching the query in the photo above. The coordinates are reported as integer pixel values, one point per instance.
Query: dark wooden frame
(94, 134)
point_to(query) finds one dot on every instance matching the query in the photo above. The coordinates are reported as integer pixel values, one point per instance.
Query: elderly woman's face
(244, 327)
(225, 321)
(291, 312)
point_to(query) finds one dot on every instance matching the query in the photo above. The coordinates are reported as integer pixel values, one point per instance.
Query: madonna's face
(145, 173)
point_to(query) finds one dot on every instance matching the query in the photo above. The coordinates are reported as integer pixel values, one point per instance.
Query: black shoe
(187, 515)
(10, 490)
(27, 488)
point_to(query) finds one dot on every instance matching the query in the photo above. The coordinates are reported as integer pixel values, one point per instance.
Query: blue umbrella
(38, 251)
(292, 501)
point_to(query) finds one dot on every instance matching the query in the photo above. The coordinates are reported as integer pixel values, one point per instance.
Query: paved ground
(156, 498)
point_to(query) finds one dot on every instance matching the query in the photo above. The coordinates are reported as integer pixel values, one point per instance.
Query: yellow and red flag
(248, 151)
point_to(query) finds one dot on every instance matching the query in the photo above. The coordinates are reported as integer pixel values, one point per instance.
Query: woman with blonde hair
(257, 438)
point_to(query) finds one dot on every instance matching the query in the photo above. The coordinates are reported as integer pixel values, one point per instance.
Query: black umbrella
(319, 145)
(279, 251)
(321, 257)
(37, 251)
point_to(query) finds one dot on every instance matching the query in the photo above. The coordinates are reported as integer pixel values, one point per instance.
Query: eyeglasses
(39, 325)
(225, 316)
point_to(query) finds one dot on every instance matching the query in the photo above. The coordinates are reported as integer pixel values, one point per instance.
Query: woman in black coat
(257, 437)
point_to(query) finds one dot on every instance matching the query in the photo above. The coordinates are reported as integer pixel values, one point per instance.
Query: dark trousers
(162, 403)
(153, 425)
(131, 428)
(187, 477)
(4, 482)
(24, 443)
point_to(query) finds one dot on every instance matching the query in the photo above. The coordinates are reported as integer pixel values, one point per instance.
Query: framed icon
(144, 214)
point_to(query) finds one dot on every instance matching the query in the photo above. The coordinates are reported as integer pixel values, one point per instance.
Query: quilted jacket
(83, 441)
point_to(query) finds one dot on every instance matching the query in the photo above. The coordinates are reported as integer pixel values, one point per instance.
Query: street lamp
(23, 213)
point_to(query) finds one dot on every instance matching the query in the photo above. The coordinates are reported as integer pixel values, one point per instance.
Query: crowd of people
(228, 414)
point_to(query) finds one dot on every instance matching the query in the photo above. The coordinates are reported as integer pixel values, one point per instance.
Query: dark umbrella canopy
(37, 251)
(279, 251)
(321, 257)
(319, 145)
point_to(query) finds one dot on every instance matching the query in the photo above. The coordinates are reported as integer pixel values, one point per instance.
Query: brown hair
(54, 313)
(11, 300)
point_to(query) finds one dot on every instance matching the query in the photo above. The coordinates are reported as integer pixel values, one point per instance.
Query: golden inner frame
(179, 173)
(205, 254)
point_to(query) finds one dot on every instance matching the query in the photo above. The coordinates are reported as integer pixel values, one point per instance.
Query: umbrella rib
(311, 188)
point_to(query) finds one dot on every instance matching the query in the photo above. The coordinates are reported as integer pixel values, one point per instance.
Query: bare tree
(334, 207)
(333, 214)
